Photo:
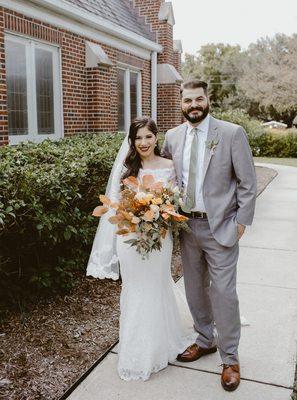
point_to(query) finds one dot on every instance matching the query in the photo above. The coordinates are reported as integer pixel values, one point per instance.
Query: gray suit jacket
(229, 179)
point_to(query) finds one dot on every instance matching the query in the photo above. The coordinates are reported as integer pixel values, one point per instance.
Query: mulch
(46, 348)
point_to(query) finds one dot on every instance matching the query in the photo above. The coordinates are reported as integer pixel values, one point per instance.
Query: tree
(261, 80)
(220, 66)
(269, 76)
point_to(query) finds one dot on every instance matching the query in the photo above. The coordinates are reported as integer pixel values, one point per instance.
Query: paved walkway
(267, 288)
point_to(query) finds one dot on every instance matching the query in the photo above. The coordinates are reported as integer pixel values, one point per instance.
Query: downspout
(154, 86)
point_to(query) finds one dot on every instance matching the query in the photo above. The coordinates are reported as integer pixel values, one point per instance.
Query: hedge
(252, 126)
(47, 194)
(263, 144)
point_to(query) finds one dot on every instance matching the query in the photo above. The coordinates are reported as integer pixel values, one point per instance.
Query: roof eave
(97, 22)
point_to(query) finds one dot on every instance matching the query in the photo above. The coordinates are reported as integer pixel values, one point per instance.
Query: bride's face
(145, 142)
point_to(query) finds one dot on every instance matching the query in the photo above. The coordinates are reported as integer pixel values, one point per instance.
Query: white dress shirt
(202, 137)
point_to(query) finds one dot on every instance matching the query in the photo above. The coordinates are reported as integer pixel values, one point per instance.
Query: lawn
(281, 132)
(292, 162)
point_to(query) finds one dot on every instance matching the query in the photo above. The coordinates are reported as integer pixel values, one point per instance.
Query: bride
(155, 322)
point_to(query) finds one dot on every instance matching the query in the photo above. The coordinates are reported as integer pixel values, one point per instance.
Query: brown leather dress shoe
(230, 378)
(194, 352)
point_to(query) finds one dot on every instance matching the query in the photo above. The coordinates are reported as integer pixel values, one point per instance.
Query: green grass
(292, 162)
(281, 132)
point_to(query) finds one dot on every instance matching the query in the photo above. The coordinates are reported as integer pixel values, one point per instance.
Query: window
(129, 97)
(33, 90)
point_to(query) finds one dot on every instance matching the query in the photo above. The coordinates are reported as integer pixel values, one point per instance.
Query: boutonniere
(211, 145)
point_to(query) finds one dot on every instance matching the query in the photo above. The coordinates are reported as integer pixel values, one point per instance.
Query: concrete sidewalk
(267, 288)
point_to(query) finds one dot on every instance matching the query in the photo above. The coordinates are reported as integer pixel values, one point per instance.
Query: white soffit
(96, 55)
(166, 13)
(168, 74)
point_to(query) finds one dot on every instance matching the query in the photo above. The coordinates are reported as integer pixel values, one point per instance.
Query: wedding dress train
(155, 323)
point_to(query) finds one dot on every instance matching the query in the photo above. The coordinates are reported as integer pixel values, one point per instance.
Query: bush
(47, 194)
(263, 143)
(267, 145)
(252, 126)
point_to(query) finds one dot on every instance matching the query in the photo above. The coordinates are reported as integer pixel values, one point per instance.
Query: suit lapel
(181, 137)
(211, 135)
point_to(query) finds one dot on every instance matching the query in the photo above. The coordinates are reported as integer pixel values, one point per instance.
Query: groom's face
(195, 105)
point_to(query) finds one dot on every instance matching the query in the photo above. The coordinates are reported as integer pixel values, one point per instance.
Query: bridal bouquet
(146, 208)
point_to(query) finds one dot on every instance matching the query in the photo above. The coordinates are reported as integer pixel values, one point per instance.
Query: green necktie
(191, 187)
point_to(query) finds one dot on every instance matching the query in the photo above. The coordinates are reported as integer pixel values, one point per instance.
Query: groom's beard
(199, 118)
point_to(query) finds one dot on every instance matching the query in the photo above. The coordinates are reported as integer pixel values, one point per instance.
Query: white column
(139, 95)
(154, 85)
(127, 100)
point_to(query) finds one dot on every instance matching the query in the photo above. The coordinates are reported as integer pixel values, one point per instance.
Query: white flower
(175, 189)
(140, 195)
(155, 209)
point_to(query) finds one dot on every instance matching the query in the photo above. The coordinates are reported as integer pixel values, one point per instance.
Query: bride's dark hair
(133, 161)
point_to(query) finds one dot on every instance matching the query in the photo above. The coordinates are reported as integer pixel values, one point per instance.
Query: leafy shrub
(252, 126)
(47, 194)
(267, 145)
(263, 143)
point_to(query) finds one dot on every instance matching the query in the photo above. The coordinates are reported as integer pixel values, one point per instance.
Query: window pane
(133, 95)
(16, 79)
(121, 100)
(44, 91)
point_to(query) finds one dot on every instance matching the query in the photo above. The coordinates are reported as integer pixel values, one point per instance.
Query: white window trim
(127, 106)
(32, 135)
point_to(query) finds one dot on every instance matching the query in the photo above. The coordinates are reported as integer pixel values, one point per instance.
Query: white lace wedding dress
(155, 322)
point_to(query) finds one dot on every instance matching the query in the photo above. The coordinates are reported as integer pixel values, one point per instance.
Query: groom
(215, 170)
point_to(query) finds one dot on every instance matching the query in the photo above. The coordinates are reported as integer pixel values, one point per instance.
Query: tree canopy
(261, 80)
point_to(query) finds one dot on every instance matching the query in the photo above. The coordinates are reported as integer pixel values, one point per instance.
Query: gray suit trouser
(210, 283)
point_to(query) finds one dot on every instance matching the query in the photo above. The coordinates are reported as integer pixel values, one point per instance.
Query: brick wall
(89, 94)
(149, 9)
(177, 61)
(169, 112)
(168, 100)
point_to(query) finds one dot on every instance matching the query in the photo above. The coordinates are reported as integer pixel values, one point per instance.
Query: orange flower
(126, 215)
(133, 228)
(100, 210)
(178, 217)
(135, 220)
(168, 207)
(131, 181)
(149, 216)
(148, 181)
(158, 186)
(114, 205)
(116, 219)
(163, 232)
(157, 201)
(123, 231)
(105, 200)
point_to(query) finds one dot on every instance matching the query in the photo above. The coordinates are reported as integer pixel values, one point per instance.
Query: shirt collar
(203, 126)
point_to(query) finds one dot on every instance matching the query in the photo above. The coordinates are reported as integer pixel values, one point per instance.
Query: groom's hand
(240, 230)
